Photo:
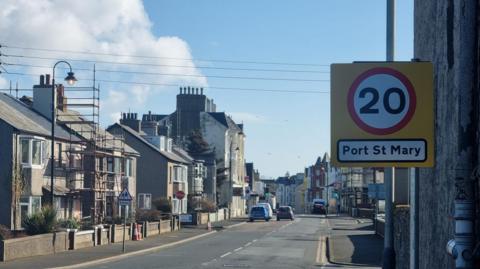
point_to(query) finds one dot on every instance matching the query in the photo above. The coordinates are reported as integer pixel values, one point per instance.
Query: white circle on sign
(381, 101)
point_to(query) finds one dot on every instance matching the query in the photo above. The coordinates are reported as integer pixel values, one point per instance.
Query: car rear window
(257, 209)
(283, 209)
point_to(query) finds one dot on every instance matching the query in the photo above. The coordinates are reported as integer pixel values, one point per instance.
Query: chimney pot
(196, 91)
(201, 91)
(188, 89)
(42, 80)
(47, 79)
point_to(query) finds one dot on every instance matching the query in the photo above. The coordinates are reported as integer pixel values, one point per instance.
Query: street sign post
(124, 200)
(382, 114)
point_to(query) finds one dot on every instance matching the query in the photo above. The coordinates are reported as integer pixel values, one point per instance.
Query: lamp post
(70, 79)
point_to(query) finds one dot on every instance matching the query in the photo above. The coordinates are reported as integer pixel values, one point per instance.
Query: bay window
(32, 151)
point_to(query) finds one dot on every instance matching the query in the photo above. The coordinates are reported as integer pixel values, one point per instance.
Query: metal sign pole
(389, 249)
(124, 226)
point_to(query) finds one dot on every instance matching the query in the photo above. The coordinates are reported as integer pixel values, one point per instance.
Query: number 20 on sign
(382, 114)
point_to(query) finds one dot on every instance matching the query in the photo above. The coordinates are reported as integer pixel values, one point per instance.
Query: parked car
(285, 212)
(268, 207)
(318, 206)
(259, 212)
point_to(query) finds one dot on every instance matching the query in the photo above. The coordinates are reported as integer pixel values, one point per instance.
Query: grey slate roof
(225, 120)
(183, 154)
(169, 155)
(153, 117)
(24, 118)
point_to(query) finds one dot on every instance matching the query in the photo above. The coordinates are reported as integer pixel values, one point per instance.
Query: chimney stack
(47, 79)
(201, 91)
(130, 120)
(61, 99)
(42, 80)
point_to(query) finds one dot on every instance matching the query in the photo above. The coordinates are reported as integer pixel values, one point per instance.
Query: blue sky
(293, 129)
(285, 131)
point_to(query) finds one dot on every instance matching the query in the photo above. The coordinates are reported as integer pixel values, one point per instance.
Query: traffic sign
(124, 198)
(382, 114)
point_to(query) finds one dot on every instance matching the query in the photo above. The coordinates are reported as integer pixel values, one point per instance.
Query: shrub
(41, 222)
(5, 233)
(163, 204)
(148, 215)
(204, 205)
(70, 223)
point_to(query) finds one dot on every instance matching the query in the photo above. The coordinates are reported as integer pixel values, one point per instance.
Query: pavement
(352, 243)
(111, 252)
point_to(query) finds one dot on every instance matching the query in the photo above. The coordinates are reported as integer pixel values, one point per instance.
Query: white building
(228, 139)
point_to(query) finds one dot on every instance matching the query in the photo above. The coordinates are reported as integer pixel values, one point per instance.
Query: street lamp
(70, 79)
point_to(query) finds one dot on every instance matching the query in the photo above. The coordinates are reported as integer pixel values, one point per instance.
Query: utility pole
(389, 250)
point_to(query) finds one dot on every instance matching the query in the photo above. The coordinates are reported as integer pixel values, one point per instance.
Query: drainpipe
(461, 248)
(464, 26)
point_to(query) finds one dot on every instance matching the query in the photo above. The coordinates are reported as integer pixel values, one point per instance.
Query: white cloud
(3, 83)
(248, 118)
(119, 27)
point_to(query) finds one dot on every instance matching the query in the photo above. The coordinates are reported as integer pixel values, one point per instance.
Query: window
(29, 205)
(32, 151)
(25, 144)
(175, 206)
(144, 200)
(59, 155)
(109, 164)
(128, 167)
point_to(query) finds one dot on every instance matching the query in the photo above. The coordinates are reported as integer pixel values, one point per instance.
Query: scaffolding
(100, 156)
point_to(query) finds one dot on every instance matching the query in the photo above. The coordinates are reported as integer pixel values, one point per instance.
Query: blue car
(259, 212)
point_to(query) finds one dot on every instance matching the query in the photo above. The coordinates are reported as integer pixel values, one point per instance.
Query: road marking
(254, 240)
(248, 244)
(226, 254)
(237, 249)
(321, 255)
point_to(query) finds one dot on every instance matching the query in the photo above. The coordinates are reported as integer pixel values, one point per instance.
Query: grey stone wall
(446, 34)
(402, 237)
(33, 246)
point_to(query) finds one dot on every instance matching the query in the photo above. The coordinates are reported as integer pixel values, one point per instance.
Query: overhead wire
(181, 75)
(169, 65)
(161, 57)
(177, 85)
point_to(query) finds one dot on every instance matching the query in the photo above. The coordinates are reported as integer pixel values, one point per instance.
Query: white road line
(254, 240)
(226, 254)
(237, 249)
(248, 244)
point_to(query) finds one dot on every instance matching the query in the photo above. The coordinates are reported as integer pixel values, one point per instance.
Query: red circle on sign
(179, 195)
(411, 108)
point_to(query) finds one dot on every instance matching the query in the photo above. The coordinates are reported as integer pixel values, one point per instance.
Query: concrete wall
(33, 246)
(117, 233)
(446, 34)
(82, 239)
(165, 226)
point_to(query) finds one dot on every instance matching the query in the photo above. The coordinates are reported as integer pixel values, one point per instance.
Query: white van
(268, 207)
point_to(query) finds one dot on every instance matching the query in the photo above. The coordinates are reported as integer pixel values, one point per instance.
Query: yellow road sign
(382, 114)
